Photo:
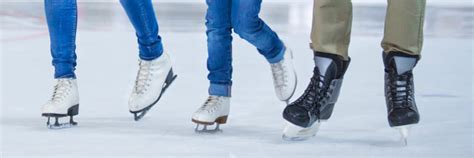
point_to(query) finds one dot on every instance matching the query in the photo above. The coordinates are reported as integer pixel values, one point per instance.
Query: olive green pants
(332, 20)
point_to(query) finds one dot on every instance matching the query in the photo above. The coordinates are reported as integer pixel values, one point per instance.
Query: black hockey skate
(317, 102)
(71, 112)
(137, 115)
(399, 91)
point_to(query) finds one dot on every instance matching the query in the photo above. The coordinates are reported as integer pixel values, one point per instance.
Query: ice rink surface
(107, 67)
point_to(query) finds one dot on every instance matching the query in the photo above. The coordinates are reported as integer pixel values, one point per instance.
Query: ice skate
(305, 115)
(284, 77)
(214, 111)
(63, 103)
(399, 92)
(153, 78)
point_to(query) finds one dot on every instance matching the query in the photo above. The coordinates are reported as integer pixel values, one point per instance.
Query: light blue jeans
(61, 16)
(243, 17)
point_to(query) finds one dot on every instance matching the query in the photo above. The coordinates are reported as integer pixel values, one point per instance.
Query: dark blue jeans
(243, 17)
(61, 16)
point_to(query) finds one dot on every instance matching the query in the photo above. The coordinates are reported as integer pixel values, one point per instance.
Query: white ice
(107, 67)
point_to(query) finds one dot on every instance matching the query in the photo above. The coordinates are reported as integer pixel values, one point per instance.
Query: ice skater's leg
(330, 41)
(249, 26)
(215, 109)
(155, 72)
(402, 45)
(331, 30)
(142, 16)
(404, 26)
(61, 16)
(219, 45)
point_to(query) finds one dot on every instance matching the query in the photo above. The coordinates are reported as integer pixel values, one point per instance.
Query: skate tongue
(322, 64)
(404, 64)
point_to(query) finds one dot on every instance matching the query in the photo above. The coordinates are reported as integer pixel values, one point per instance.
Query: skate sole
(169, 80)
(72, 111)
(219, 120)
(204, 130)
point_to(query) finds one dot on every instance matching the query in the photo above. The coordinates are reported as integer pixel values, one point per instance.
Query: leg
(219, 43)
(330, 36)
(142, 16)
(215, 109)
(332, 20)
(250, 27)
(155, 72)
(402, 46)
(61, 16)
(404, 26)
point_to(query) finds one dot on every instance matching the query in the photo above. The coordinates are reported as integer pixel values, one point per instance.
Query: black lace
(400, 90)
(314, 96)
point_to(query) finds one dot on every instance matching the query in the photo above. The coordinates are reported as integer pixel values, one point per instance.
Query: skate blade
(57, 125)
(138, 115)
(404, 132)
(61, 126)
(296, 133)
(205, 130)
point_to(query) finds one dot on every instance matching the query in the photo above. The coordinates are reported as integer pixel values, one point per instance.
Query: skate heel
(221, 120)
(73, 111)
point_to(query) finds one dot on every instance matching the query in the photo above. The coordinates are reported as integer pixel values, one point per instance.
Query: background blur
(107, 64)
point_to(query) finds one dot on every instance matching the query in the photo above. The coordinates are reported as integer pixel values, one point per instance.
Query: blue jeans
(241, 16)
(61, 16)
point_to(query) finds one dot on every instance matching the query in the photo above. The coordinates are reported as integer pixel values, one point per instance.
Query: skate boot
(63, 103)
(215, 110)
(304, 115)
(399, 91)
(153, 78)
(284, 77)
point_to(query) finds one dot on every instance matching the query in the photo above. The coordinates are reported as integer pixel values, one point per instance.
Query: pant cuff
(277, 58)
(64, 70)
(220, 90)
(151, 52)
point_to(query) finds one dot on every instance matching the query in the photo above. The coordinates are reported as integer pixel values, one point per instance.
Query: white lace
(61, 90)
(143, 77)
(279, 73)
(211, 104)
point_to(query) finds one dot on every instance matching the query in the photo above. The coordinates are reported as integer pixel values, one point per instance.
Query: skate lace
(211, 104)
(315, 95)
(61, 90)
(279, 72)
(143, 79)
(400, 90)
